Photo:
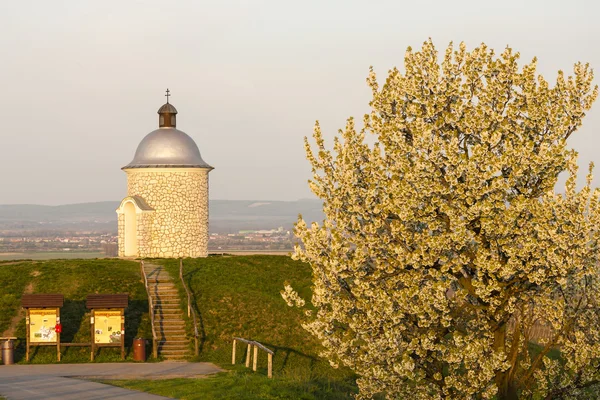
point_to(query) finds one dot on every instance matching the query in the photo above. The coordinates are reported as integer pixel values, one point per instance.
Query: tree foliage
(445, 245)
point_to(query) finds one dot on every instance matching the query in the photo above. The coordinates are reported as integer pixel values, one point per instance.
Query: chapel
(165, 213)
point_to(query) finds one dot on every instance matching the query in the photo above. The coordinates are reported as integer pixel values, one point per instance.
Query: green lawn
(242, 385)
(240, 296)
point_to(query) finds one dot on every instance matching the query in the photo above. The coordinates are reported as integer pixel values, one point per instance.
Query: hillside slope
(240, 296)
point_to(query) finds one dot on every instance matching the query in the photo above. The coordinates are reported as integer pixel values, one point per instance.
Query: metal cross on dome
(167, 95)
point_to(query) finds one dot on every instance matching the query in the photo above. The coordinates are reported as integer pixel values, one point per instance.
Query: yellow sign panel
(107, 327)
(41, 326)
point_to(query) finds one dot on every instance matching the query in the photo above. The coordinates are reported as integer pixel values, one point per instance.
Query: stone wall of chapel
(178, 227)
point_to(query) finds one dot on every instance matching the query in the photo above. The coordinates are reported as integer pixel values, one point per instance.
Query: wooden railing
(151, 307)
(252, 344)
(190, 310)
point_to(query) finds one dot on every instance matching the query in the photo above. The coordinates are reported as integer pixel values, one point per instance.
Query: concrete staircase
(173, 343)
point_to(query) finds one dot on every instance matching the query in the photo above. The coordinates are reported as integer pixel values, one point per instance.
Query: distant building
(165, 213)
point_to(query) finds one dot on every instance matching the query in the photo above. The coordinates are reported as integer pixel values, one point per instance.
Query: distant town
(89, 230)
(106, 243)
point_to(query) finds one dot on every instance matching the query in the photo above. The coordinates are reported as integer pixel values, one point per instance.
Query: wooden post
(122, 334)
(57, 336)
(233, 353)
(255, 361)
(28, 333)
(92, 325)
(248, 355)
(154, 348)
(196, 350)
(270, 366)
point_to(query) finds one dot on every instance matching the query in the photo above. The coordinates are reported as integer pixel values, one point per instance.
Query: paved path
(56, 381)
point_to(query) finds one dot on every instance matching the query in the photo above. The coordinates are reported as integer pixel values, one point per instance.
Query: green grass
(242, 385)
(14, 279)
(75, 279)
(240, 296)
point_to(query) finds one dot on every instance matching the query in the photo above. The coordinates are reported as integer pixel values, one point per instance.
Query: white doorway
(130, 236)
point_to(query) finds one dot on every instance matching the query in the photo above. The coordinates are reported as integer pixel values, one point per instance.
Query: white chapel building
(165, 213)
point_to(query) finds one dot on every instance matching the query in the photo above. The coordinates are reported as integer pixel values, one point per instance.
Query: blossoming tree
(444, 242)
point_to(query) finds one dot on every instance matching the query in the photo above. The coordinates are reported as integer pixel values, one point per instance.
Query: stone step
(160, 318)
(175, 358)
(170, 332)
(165, 302)
(168, 308)
(158, 275)
(165, 295)
(175, 330)
(172, 345)
(168, 323)
(172, 323)
(171, 336)
(183, 349)
(169, 352)
(163, 289)
(170, 329)
(168, 293)
(159, 282)
(164, 292)
(175, 314)
(177, 337)
(171, 304)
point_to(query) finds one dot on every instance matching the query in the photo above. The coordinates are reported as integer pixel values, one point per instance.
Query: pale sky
(82, 81)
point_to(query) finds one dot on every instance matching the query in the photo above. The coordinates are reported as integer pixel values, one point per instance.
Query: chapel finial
(167, 114)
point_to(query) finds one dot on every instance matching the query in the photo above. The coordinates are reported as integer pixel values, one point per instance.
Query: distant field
(52, 255)
(252, 252)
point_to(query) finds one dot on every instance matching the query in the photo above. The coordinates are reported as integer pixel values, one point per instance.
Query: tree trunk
(506, 388)
(507, 391)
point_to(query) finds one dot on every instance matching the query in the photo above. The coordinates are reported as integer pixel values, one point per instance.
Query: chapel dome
(167, 148)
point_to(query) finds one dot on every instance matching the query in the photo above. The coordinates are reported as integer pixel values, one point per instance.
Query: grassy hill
(234, 296)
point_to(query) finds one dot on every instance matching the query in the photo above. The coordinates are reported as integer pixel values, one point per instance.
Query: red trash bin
(139, 349)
